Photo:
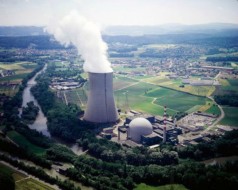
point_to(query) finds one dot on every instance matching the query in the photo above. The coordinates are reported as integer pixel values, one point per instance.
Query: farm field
(8, 90)
(143, 186)
(228, 86)
(22, 181)
(120, 82)
(77, 96)
(231, 116)
(30, 183)
(213, 110)
(15, 174)
(21, 70)
(23, 142)
(175, 83)
(151, 98)
(176, 100)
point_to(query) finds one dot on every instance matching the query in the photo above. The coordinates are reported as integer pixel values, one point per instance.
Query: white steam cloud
(86, 36)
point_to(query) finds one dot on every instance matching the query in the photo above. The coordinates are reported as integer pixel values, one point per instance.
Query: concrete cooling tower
(101, 106)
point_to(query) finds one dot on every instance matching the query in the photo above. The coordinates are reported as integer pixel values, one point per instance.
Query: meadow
(22, 181)
(143, 186)
(30, 183)
(151, 98)
(231, 116)
(21, 70)
(175, 84)
(23, 142)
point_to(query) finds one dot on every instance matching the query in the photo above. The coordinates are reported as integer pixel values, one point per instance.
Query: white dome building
(138, 127)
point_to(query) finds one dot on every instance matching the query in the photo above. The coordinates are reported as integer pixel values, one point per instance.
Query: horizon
(106, 13)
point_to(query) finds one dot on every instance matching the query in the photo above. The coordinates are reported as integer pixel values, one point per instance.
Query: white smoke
(86, 36)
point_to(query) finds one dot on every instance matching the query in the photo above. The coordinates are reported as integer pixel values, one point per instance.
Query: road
(218, 119)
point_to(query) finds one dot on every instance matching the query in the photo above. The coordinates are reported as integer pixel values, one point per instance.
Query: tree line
(229, 99)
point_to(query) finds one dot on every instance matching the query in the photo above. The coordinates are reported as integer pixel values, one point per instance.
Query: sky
(119, 12)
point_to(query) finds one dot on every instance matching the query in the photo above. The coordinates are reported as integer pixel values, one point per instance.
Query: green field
(151, 98)
(143, 186)
(231, 116)
(15, 174)
(23, 142)
(228, 86)
(21, 70)
(120, 82)
(213, 110)
(22, 182)
(175, 84)
(8, 90)
(30, 184)
(175, 100)
(77, 96)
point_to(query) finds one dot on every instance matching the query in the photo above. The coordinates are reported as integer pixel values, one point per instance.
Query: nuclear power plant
(101, 106)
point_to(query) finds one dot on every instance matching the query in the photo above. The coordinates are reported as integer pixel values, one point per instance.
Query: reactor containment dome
(138, 127)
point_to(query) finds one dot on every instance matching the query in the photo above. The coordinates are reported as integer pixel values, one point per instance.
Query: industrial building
(101, 106)
(148, 130)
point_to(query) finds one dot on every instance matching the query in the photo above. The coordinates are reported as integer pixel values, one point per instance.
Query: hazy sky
(120, 12)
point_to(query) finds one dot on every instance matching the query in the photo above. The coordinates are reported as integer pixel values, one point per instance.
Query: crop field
(231, 116)
(175, 83)
(228, 86)
(23, 182)
(143, 186)
(213, 109)
(120, 82)
(127, 69)
(30, 183)
(77, 96)
(151, 98)
(15, 174)
(8, 90)
(23, 142)
(21, 69)
(176, 100)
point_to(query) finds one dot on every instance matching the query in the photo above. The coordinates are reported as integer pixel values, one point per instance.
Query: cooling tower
(101, 106)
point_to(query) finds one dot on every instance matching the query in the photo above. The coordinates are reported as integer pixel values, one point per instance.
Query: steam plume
(86, 36)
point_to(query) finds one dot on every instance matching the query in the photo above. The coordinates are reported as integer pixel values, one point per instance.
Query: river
(40, 124)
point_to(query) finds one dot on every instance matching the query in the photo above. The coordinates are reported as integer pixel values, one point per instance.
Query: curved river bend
(40, 124)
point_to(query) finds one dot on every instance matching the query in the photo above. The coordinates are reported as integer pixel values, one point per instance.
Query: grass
(30, 183)
(176, 100)
(163, 81)
(143, 186)
(150, 98)
(11, 66)
(8, 90)
(228, 86)
(23, 142)
(120, 82)
(233, 82)
(77, 96)
(214, 109)
(21, 70)
(231, 116)
(22, 181)
(13, 77)
(15, 174)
